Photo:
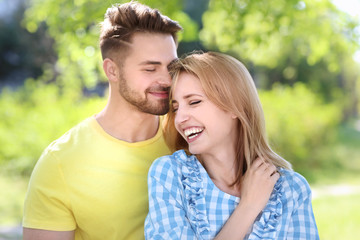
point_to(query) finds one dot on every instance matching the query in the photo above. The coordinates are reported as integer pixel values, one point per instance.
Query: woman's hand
(258, 183)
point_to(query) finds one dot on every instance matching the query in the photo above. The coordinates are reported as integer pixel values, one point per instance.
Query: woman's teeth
(193, 132)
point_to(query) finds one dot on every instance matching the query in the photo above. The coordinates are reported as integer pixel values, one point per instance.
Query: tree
(22, 54)
(287, 40)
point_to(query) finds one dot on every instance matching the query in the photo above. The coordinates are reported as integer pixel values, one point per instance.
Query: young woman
(224, 181)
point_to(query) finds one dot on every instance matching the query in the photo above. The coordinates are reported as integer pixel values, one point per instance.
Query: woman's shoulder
(169, 163)
(295, 179)
(295, 184)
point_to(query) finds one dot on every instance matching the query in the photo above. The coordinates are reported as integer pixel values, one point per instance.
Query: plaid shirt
(185, 204)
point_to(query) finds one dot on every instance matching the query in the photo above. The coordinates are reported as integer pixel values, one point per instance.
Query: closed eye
(174, 107)
(195, 102)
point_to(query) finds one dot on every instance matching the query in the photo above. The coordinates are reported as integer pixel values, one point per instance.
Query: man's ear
(111, 69)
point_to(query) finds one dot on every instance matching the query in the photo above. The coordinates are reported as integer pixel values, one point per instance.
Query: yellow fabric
(93, 183)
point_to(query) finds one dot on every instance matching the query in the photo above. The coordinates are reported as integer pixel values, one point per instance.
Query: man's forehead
(152, 48)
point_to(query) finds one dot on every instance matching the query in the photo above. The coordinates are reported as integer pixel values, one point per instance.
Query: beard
(142, 103)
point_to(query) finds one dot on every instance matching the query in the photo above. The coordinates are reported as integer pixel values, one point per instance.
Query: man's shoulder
(70, 139)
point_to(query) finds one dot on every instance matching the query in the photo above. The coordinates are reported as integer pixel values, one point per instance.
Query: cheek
(137, 80)
(176, 124)
(178, 129)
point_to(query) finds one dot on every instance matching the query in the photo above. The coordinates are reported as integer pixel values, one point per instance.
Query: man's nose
(164, 78)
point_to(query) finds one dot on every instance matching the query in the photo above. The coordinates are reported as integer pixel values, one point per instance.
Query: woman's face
(205, 127)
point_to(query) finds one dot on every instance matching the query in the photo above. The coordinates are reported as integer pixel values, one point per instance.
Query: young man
(91, 182)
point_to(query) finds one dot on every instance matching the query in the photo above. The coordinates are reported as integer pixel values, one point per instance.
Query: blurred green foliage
(268, 33)
(290, 41)
(22, 54)
(338, 217)
(11, 203)
(32, 117)
(300, 125)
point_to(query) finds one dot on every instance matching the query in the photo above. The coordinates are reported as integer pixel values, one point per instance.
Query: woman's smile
(192, 133)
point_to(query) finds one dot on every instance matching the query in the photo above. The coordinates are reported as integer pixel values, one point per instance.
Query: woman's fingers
(275, 176)
(259, 164)
(270, 170)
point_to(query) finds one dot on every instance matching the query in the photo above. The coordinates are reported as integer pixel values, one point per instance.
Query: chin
(194, 150)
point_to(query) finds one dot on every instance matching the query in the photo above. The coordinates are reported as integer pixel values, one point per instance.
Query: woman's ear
(233, 116)
(111, 70)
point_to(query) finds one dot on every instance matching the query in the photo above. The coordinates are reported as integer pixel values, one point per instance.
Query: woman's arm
(258, 183)
(302, 223)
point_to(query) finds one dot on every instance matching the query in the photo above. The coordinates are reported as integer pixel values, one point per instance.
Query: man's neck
(127, 124)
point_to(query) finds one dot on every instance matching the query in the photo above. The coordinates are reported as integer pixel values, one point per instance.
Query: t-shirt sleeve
(167, 216)
(47, 205)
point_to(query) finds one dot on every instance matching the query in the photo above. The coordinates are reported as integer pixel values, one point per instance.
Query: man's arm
(39, 234)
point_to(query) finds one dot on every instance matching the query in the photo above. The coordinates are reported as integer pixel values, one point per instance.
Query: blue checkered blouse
(185, 204)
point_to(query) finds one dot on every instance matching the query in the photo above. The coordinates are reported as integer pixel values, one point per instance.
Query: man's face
(144, 80)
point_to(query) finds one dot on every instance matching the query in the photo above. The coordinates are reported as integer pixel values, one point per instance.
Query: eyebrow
(150, 63)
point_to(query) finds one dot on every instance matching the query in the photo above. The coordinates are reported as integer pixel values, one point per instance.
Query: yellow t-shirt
(92, 182)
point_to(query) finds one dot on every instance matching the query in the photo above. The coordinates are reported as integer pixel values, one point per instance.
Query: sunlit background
(304, 57)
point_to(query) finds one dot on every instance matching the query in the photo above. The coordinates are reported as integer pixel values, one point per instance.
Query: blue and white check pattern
(185, 204)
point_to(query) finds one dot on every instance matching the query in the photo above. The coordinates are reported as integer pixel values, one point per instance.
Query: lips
(160, 94)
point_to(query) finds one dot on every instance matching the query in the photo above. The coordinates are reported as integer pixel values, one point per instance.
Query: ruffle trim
(194, 194)
(265, 227)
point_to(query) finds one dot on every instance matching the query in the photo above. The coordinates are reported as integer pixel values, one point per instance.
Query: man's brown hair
(123, 20)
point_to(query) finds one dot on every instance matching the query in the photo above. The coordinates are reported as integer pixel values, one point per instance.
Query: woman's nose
(181, 116)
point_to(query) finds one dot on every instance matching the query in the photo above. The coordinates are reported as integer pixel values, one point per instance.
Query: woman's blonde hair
(228, 84)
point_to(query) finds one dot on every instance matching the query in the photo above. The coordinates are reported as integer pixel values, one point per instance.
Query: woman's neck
(221, 168)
